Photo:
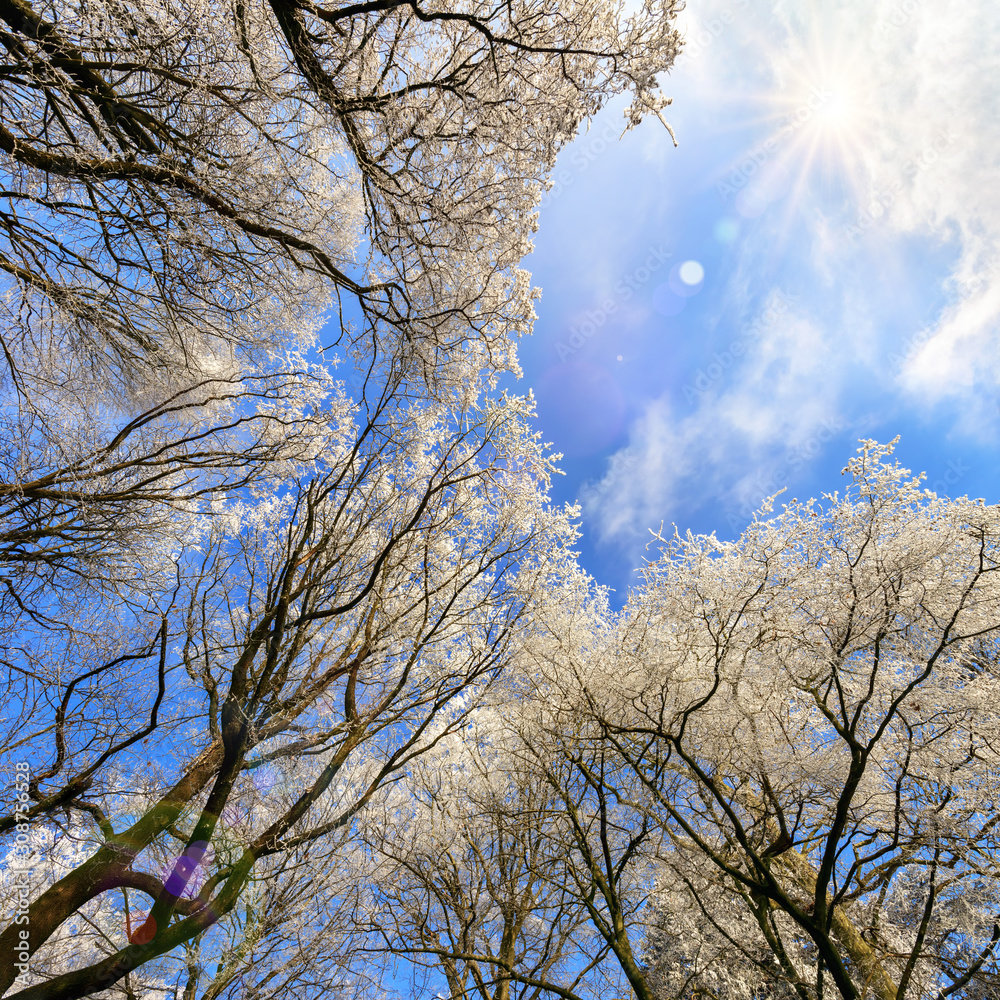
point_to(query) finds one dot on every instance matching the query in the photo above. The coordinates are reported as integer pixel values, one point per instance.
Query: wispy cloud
(882, 240)
(730, 450)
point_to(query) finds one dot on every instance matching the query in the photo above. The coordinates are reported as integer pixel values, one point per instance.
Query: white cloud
(742, 442)
(906, 130)
(924, 81)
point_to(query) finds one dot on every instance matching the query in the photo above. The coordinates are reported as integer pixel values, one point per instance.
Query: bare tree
(604, 844)
(219, 563)
(513, 864)
(188, 177)
(193, 189)
(91, 498)
(809, 716)
(334, 630)
(468, 887)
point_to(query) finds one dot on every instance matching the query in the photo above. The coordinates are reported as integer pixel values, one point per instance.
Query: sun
(836, 129)
(813, 114)
(824, 100)
(838, 110)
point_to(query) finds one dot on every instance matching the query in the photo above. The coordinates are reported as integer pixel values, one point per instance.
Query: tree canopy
(306, 691)
(208, 206)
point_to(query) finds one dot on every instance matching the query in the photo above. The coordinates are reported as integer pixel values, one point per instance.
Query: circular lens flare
(691, 272)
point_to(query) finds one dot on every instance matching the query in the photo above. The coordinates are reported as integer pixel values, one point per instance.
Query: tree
(220, 563)
(809, 717)
(469, 885)
(191, 189)
(504, 867)
(334, 631)
(186, 178)
(605, 845)
(92, 495)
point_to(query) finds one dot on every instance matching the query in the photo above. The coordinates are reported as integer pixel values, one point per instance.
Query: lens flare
(813, 119)
(144, 931)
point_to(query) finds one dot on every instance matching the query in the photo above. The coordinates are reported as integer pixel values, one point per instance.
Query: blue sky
(835, 191)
